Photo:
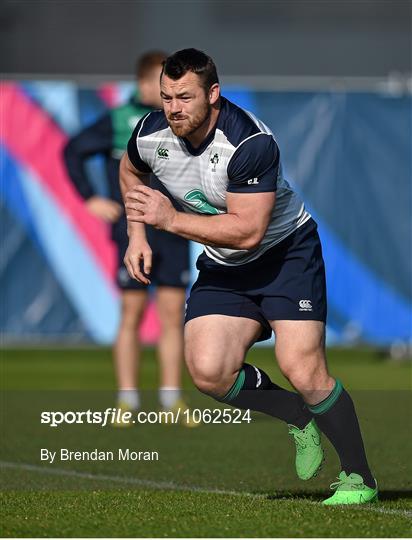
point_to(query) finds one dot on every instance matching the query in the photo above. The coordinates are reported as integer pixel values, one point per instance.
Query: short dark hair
(180, 62)
(148, 61)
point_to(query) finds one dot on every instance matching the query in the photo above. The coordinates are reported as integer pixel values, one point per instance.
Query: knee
(210, 380)
(303, 380)
(208, 374)
(308, 376)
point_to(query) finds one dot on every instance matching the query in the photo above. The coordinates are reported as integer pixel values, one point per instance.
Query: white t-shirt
(239, 156)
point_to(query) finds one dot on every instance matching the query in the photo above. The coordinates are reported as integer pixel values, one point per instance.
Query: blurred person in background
(108, 137)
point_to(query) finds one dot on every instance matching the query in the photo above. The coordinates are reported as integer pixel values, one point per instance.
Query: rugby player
(108, 137)
(261, 269)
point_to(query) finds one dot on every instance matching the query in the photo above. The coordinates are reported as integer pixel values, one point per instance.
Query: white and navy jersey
(239, 156)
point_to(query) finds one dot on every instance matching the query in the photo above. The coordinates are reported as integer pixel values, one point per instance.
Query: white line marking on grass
(122, 479)
(153, 484)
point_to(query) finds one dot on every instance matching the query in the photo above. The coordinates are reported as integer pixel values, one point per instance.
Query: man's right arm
(139, 250)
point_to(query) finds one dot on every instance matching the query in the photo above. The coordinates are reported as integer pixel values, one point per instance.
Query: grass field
(213, 481)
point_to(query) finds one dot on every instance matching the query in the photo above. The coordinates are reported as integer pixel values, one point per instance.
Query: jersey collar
(200, 149)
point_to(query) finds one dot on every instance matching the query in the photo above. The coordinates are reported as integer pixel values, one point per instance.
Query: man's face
(185, 103)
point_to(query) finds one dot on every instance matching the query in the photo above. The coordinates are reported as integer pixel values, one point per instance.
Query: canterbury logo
(163, 153)
(305, 305)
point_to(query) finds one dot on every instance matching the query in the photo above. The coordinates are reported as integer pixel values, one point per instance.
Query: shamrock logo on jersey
(215, 160)
(198, 199)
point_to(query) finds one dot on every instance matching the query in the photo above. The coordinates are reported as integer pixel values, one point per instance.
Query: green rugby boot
(309, 451)
(350, 489)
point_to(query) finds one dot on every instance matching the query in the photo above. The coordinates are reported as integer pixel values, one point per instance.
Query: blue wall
(348, 154)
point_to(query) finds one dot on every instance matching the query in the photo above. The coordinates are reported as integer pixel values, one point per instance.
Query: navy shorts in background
(285, 283)
(170, 264)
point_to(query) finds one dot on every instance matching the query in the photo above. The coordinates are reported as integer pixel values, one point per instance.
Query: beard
(190, 124)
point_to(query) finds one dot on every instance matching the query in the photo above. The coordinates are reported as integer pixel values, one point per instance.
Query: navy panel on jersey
(286, 283)
(156, 122)
(235, 123)
(254, 166)
(132, 150)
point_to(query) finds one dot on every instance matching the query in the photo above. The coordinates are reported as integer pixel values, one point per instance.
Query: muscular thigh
(300, 351)
(299, 342)
(216, 345)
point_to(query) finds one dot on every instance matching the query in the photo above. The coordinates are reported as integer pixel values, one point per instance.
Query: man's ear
(214, 93)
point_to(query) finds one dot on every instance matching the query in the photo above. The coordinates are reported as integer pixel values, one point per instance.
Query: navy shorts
(170, 264)
(285, 283)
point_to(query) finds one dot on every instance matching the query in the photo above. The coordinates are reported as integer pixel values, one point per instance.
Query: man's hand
(103, 208)
(138, 251)
(146, 205)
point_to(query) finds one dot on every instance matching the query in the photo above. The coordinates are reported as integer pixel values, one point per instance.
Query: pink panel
(35, 140)
(109, 94)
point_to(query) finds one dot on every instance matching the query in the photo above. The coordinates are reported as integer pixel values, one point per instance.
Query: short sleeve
(133, 152)
(254, 166)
